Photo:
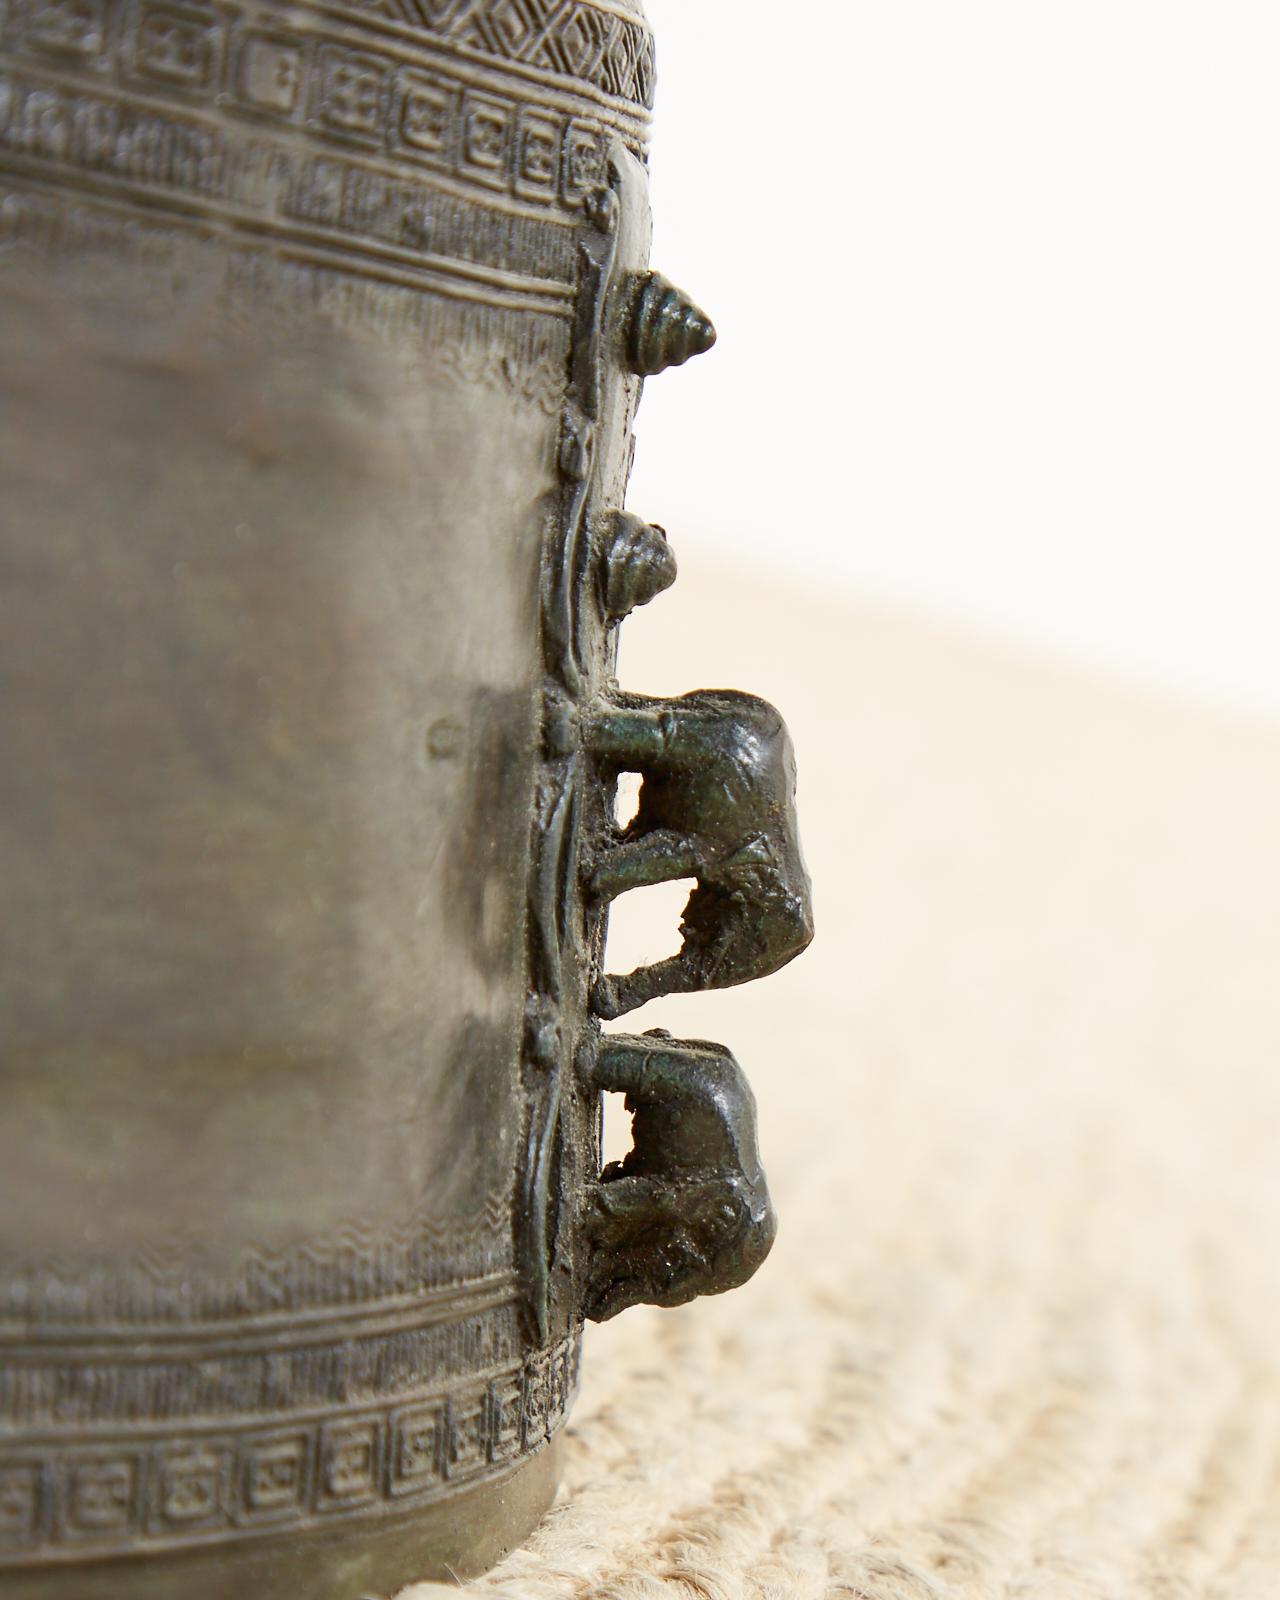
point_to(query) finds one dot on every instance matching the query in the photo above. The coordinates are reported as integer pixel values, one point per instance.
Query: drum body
(321, 356)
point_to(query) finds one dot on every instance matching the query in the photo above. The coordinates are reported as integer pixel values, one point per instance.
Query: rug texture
(1020, 1106)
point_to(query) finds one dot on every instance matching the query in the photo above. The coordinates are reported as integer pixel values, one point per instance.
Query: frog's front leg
(716, 950)
(614, 994)
(639, 862)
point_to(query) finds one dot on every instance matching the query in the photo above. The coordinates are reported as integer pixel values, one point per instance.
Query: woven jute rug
(1020, 1107)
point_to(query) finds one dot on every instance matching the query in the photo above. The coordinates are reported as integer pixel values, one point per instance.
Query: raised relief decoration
(415, 191)
(687, 1212)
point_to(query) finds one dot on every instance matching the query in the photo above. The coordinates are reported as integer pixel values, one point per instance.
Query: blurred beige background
(995, 284)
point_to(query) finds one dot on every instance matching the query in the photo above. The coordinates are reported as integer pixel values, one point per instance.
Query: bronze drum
(324, 324)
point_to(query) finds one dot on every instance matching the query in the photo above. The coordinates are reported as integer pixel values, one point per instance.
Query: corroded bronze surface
(324, 328)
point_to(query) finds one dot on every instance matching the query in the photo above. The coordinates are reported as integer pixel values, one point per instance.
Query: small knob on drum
(666, 327)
